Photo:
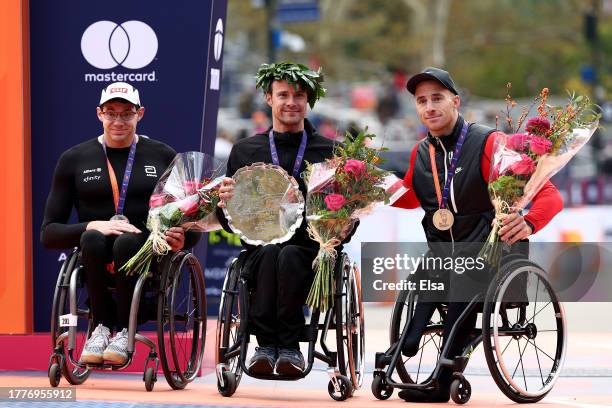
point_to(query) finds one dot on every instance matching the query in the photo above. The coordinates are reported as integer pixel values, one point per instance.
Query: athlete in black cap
(456, 155)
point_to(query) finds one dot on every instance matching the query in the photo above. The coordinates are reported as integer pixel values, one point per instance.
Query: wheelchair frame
(345, 365)
(68, 282)
(383, 384)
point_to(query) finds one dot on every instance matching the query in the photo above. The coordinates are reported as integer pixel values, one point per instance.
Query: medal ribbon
(443, 196)
(298, 158)
(119, 198)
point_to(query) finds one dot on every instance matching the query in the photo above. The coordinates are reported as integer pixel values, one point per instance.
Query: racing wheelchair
(173, 294)
(345, 318)
(523, 332)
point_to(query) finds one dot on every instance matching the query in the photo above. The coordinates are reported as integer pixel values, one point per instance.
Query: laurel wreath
(294, 74)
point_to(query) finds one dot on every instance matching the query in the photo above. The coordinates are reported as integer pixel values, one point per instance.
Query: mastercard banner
(170, 51)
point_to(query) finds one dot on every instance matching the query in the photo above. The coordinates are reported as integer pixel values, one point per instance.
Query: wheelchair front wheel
(524, 347)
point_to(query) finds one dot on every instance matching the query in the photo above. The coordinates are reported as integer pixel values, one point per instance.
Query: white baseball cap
(121, 90)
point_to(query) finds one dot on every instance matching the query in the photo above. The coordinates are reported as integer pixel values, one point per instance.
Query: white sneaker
(116, 351)
(95, 345)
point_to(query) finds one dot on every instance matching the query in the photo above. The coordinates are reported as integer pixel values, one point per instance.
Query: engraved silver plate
(267, 206)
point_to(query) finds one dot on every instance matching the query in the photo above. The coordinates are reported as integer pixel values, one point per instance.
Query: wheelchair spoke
(543, 307)
(539, 365)
(520, 362)
(509, 341)
(419, 367)
(542, 351)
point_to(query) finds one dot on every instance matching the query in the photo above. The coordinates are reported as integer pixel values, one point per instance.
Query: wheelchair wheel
(416, 369)
(65, 354)
(524, 332)
(181, 313)
(350, 323)
(380, 389)
(229, 371)
(341, 390)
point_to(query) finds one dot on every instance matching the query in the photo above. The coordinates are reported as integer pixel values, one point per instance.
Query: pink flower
(156, 200)
(538, 125)
(355, 167)
(523, 166)
(518, 141)
(188, 205)
(540, 145)
(335, 202)
(191, 186)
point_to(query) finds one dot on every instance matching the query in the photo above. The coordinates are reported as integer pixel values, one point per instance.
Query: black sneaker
(424, 396)
(263, 360)
(290, 362)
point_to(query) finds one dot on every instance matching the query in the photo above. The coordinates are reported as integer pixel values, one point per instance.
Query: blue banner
(170, 51)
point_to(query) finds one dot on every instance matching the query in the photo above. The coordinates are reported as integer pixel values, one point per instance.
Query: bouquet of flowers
(186, 195)
(339, 191)
(524, 161)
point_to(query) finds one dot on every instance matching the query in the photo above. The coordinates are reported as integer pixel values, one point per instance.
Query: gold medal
(443, 219)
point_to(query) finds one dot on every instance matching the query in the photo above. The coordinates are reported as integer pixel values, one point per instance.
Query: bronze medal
(443, 219)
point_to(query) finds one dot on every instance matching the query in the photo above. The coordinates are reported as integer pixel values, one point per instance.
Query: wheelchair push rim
(227, 334)
(350, 324)
(532, 374)
(67, 352)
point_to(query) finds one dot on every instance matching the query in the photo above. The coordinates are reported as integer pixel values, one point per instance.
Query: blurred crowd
(387, 110)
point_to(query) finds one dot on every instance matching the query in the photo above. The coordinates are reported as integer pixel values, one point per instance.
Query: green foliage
(507, 188)
(294, 74)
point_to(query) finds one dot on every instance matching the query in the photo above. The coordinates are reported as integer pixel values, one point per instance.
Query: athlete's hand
(175, 237)
(514, 228)
(114, 227)
(226, 191)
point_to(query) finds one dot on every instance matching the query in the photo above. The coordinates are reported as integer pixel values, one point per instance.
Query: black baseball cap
(428, 74)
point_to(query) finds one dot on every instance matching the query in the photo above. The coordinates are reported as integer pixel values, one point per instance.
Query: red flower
(355, 167)
(156, 200)
(537, 126)
(518, 141)
(540, 145)
(188, 205)
(523, 166)
(334, 202)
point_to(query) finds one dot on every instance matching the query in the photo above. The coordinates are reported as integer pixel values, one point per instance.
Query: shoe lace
(99, 337)
(268, 351)
(289, 353)
(120, 339)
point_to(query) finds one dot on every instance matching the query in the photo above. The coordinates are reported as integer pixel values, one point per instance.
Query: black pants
(97, 250)
(280, 280)
(423, 312)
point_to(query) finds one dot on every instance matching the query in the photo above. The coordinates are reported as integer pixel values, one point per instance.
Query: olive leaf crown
(294, 74)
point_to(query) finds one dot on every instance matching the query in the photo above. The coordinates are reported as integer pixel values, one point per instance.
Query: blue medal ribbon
(298, 158)
(453, 166)
(120, 202)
